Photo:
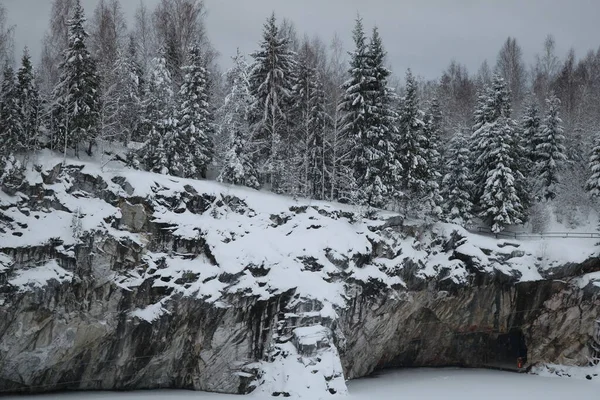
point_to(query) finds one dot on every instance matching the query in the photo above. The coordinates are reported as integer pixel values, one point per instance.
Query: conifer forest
(308, 117)
(300, 199)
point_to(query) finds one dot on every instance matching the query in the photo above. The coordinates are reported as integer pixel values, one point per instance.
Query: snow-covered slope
(121, 279)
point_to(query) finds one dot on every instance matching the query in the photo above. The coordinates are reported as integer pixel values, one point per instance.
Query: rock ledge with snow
(129, 280)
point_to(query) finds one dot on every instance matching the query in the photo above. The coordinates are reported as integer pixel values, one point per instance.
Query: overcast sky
(421, 34)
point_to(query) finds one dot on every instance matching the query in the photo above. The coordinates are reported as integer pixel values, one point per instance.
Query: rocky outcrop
(128, 280)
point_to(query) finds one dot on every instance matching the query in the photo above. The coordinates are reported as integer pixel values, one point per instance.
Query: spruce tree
(319, 168)
(195, 121)
(550, 151)
(157, 158)
(479, 130)
(308, 112)
(500, 188)
(493, 104)
(29, 102)
(416, 153)
(270, 86)
(354, 109)
(76, 111)
(411, 128)
(238, 167)
(429, 171)
(158, 124)
(436, 129)
(593, 183)
(369, 122)
(530, 126)
(11, 139)
(479, 116)
(500, 204)
(457, 183)
(383, 168)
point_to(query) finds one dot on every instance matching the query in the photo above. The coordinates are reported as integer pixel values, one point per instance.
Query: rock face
(128, 280)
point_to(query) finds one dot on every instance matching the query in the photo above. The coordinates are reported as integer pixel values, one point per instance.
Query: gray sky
(421, 34)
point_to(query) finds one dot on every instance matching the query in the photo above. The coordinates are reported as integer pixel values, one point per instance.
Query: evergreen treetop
(77, 96)
(195, 121)
(550, 150)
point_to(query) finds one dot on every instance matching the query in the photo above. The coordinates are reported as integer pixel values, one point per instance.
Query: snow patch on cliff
(38, 277)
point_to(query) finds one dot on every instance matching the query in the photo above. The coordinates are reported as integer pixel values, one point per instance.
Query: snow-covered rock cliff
(121, 279)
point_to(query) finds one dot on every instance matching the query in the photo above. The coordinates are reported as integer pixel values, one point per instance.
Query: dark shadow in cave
(507, 350)
(492, 350)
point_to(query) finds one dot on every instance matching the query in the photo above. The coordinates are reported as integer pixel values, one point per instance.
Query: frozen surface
(421, 384)
(460, 384)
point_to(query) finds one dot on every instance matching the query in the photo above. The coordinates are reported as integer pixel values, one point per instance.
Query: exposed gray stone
(84, 335)
(133, 216)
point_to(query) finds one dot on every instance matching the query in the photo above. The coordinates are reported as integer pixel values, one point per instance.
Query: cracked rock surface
(131, 280)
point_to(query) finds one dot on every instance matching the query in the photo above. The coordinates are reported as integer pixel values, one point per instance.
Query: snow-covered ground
(418, 384)
(461, 384)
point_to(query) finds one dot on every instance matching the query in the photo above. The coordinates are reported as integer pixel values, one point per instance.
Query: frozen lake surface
(419, 384)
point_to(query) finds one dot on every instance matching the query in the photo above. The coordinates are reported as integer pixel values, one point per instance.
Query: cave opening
(491, 350)
(508, 351)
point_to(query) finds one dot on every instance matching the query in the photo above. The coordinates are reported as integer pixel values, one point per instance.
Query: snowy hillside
(121, 279)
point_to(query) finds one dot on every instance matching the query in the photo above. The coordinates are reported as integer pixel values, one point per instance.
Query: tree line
(304, 118)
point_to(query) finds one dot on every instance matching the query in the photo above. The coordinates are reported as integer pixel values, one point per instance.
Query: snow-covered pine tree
(369, 122)
(30, 104)
(493, 102)
(11, 140)
(500, 188)
(479, 120)
(457, 184)
(298, 153)
(334, 76)
(270, 86)
(500, 204)
(429, 170)
(409, 141)
(479, 116)
(497, 101)
(195, 120)
(238, 167)
(76, 110)
(161, 87)
(413, 149)
(550, 150)
(354, 109)
(437, 132)
(593, 183)
(381, 181)
(311, 121)
(158, 158)
(530, 126)
(319, 169)
(158, 123)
